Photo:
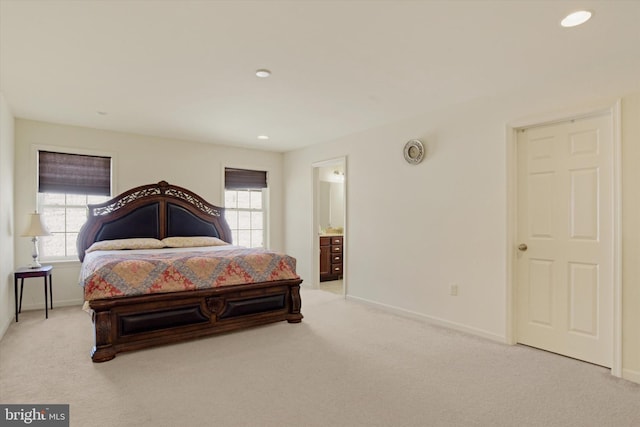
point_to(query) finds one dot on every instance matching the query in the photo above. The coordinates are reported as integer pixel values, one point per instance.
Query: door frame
(613, 109)
(315, 249)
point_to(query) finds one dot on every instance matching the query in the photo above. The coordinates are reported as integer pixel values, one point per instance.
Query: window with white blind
(67, 183)
(245, 206)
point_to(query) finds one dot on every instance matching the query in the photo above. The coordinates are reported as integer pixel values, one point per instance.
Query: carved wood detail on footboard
(103, 349)
(296, 305)
(125, 324)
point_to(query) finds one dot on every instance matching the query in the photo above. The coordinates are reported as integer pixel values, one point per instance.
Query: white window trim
(266, 197)
(56, 258)
(264, 192)
(35, 148)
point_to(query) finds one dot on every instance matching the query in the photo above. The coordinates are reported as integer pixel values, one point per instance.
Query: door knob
(522, 247)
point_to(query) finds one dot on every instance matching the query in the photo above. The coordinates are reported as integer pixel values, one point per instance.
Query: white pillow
(192, 241)
(119, 244)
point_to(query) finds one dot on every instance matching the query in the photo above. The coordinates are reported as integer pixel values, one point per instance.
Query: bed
(158, 267)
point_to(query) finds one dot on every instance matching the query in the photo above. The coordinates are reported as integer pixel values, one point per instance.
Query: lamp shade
(37, 227)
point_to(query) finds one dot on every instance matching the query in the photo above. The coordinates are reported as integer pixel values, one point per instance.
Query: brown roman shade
(74, 173)
(243, 179)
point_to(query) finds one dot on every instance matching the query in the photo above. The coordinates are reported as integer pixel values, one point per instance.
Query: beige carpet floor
(346, 364)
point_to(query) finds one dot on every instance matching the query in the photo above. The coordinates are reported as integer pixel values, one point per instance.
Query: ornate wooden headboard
(155, 210)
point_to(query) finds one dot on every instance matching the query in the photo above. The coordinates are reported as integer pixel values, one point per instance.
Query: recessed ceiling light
(576, 18)
(263, 73)
(263, 137)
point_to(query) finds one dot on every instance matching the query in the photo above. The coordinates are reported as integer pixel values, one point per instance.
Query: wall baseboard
(4, 326)
(56, 303)
(631, 375)
(431, 319)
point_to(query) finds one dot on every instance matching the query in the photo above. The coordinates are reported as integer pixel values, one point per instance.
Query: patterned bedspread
(108, 274)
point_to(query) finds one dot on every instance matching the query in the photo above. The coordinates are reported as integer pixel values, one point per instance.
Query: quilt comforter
(110, 274)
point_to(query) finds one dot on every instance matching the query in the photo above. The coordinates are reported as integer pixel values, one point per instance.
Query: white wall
(415, 230)
(631, 237)
(6, 216)
(138, 160)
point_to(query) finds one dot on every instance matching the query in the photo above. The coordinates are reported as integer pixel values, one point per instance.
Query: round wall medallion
(414, 151)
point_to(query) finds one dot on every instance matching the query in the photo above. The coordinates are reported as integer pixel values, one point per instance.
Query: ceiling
(186, 69)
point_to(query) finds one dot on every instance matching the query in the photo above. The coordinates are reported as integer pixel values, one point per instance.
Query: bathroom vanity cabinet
(331, 250)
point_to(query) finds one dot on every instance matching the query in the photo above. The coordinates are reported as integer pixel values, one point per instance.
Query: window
(244, 201)
(64, 215)
(66, 184)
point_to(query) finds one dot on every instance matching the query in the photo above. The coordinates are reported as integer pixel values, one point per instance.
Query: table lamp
(36, 228)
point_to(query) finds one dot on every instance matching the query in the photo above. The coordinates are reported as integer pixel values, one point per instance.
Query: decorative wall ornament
(414, 151)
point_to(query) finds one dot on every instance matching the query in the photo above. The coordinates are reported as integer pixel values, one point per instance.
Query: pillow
(118, 244)
(192, 241)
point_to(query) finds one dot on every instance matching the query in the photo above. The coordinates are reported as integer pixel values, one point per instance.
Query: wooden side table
(27, 272)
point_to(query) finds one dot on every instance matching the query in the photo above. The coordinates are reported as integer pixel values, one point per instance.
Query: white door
(565, 232)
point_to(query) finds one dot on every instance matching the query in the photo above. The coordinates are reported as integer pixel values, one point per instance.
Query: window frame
(43, 207)
(38, 199)
(265, 201)
(235, 231)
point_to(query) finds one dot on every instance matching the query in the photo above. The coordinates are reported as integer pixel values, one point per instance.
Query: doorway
(329, 225)
(565, 237)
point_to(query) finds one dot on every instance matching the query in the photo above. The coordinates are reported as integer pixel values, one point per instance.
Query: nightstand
(25, 273)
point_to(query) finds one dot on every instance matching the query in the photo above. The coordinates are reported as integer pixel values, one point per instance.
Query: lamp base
(34, 254)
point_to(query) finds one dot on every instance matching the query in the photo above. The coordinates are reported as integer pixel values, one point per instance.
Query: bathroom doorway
(330, 215)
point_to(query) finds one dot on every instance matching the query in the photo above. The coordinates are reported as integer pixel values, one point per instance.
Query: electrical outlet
(454, 290)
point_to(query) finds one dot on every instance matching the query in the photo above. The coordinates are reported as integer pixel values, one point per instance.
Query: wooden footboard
(126, 324)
